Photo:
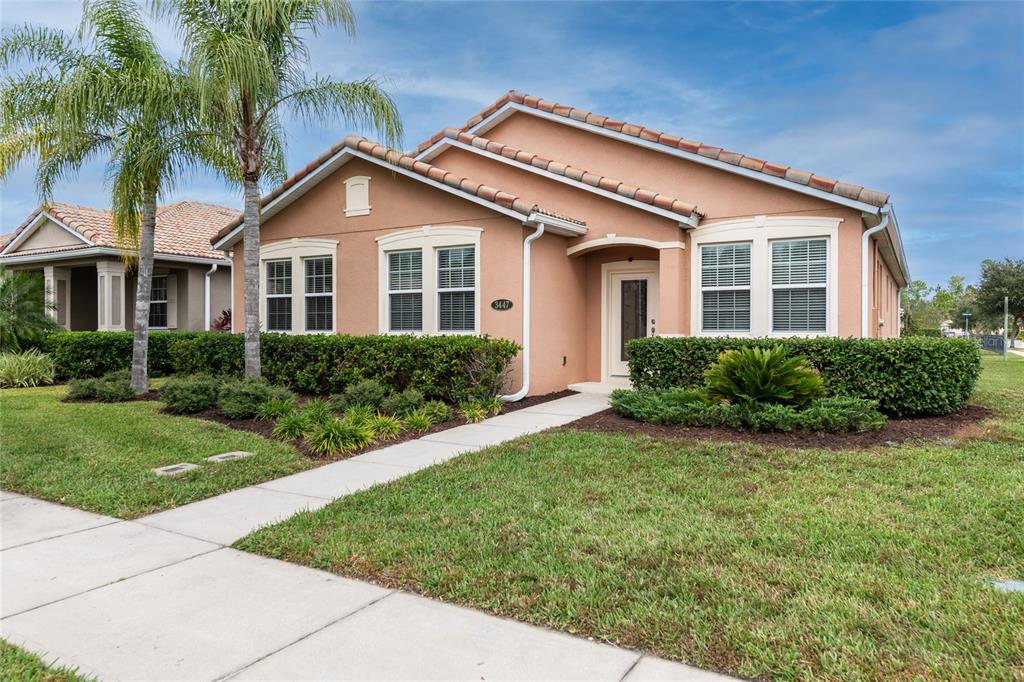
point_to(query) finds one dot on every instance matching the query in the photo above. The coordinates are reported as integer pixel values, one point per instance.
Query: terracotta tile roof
(397, 159)
(183, 228)
(799, 177)
(605, 183)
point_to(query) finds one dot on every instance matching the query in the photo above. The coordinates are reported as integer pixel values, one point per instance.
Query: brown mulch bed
(266, 428)
(894, 432)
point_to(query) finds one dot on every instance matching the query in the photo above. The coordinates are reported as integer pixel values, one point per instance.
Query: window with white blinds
(158, 302)
(279, 295)
(405, 291)
(319, 293)
(725, 288)
(456, 289)
(799, 276)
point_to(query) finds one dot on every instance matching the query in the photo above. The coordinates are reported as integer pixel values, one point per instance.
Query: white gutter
(521, 393)
(865, 272)
(206, 281)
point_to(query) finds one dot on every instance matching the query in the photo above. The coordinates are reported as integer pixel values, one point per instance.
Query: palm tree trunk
(251, 274)
(143, 285)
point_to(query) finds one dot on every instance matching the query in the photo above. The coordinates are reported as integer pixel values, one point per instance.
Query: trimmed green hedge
(451, 368)
(908, 377)
(78, 355)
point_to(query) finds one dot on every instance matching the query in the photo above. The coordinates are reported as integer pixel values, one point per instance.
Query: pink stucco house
(570, 233)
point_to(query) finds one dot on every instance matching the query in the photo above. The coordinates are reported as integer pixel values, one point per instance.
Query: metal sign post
(967, 323)
(1006, 326)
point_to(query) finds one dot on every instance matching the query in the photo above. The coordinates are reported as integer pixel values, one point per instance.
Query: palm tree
(106, 91)
(248, 60)
(23, 309)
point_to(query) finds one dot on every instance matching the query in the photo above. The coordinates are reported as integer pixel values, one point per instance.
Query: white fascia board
(683, 220)
(39, 220)
(344, 155)
(106, 251)
(510, 107)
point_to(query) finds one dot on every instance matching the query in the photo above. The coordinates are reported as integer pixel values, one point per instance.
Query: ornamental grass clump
(418, 421)
(26, 369)
(338, 436)
(762, 376)
(318, 412)
(385, 426)
(293, 426)
(275, 408)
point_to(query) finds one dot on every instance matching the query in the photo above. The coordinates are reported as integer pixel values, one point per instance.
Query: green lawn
(18, 664)
(760, 562)
(99, 456)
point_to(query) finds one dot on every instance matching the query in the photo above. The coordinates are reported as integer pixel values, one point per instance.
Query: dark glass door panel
(633, 297)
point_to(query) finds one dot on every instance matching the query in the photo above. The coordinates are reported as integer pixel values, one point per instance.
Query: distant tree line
(926, 308)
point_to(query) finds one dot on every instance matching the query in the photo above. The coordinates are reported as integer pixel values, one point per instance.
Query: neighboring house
(77, 252)
(570, 233)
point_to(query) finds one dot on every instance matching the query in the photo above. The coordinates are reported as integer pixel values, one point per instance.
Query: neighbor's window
(405, 291)
(279, 295)
(319, 291)
(799, 285)
(725, 288)
(456, 289)
(158, 302)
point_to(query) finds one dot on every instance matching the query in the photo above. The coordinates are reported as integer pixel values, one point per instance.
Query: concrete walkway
(162, 597)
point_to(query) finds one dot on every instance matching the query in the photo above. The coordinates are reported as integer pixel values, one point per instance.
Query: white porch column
(58, 294)
(110, 295)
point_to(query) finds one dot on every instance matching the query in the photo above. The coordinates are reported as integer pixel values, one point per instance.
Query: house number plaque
(501, 304)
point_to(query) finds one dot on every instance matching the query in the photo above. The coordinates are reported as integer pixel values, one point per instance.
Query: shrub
(92, 354)
(82, 389)
(436, 411)
(367, 393)
(275, 408)
(338, 435)
(473, 411)
(932, 332)
(403, 403)
(190, 394)
(758, 376)
(384, 426)
(242, 398)
(908, 376)
(292, 425)
(418, 421)
(453, 368)
(25, 369)
(115, 387)
(690, 408)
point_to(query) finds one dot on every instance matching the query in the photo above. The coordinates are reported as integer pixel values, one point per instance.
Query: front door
(633, 307)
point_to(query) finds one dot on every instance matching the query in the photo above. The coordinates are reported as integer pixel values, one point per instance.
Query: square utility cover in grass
(100, 456)
(758, 562)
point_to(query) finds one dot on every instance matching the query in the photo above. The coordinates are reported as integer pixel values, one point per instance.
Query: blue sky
(923, 100)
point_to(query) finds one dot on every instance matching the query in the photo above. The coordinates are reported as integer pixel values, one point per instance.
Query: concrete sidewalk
(163, 598)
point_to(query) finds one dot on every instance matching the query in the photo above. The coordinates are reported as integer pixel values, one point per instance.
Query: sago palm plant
(752, 376)
(249, 63)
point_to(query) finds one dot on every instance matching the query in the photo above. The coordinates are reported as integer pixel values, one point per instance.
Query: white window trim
(699, 282)
(429, 239)
(297, 250)
(760, 231)
(357, 196)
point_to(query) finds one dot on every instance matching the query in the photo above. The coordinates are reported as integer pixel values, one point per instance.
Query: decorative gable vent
(357, 196)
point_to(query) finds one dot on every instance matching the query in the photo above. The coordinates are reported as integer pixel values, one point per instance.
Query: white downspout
(521, 393)
(209, 273)
(865, 273)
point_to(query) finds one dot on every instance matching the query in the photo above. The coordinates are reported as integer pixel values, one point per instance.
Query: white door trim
(637, 267)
